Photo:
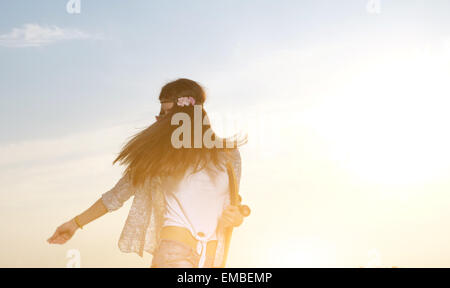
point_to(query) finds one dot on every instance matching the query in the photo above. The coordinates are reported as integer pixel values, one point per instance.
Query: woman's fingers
(59, 241)
(59, 237)
(226, 221)
(232, 216)
(232, 213)
(232, 208)
(53, 240)
(53, 237)
(229, 220)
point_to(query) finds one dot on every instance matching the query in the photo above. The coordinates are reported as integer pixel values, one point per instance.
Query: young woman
(181, 205)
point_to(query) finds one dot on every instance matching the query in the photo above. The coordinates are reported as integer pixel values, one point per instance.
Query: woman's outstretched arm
(110, 201)
(64, 232)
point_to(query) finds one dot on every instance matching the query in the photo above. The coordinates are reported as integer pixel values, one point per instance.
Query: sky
(345, 105)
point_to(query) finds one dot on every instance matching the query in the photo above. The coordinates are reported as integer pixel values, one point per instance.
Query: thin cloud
(35, 35)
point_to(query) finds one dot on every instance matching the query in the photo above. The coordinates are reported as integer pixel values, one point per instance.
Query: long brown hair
(150, 152)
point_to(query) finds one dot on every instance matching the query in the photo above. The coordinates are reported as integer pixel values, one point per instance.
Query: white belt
(201, 248)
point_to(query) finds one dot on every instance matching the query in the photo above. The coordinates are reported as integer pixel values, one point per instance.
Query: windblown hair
(150, 152)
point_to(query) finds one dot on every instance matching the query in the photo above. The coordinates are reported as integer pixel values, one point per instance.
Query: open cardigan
(144, 222)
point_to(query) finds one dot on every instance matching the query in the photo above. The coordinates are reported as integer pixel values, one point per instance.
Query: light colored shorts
(176, 254)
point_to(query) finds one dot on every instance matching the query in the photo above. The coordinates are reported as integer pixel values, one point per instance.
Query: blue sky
(135, 47)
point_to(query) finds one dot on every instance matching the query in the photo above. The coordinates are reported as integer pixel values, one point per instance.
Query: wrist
(76, 223)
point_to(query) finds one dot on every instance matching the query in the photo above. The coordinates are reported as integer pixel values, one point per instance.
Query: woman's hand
(63, 233)
(231, 216)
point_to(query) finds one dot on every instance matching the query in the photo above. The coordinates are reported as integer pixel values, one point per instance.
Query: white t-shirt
(197, 203)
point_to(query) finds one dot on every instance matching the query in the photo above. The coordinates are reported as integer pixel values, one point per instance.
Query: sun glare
(388, 126)
(306, 251)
